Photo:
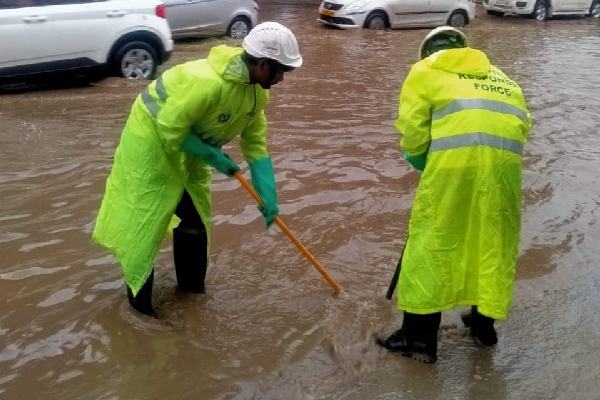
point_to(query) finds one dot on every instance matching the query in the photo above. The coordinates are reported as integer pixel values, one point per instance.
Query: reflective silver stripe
(160, 89)
(479, 104)
(149, 102)
(477, 139)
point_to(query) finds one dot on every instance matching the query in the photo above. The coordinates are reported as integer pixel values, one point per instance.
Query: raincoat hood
(227, 62)
(465, 61)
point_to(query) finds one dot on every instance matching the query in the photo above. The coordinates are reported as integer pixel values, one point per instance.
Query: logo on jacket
(224, 117)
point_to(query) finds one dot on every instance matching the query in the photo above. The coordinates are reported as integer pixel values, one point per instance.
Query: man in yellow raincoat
(172, 138)
(464, 124)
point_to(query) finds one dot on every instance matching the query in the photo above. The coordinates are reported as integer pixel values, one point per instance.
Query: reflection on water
(269, 326)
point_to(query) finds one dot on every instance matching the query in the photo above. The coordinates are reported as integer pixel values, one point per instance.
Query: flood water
(270, 326)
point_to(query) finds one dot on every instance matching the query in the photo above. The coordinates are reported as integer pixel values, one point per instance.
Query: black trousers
(187, 213)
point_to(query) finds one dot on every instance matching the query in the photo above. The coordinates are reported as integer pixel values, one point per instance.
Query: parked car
(127, 38)
(396, 14)
(543, 9)
(235, 18)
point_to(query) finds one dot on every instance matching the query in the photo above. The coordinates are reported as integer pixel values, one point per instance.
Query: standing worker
(172, 138)
(463, 124)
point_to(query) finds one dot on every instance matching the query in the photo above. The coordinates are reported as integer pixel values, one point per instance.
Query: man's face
(270, 72)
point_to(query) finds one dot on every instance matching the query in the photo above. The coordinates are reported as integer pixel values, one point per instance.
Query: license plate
(502, 2)
(329, 13)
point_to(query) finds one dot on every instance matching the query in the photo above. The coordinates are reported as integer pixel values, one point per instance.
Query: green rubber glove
(211, 155)
(263, 180)
(417, 161)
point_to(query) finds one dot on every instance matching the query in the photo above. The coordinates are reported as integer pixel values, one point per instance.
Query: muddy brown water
(269, 326)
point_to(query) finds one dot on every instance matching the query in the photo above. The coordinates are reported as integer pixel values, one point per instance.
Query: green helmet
(444, 37)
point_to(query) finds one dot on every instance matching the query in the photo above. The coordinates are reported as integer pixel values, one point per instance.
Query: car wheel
(540, 11)
(136, 60)
(496, 13)
(239, 28)
(457, 19)
(595, 9)
(376, 20)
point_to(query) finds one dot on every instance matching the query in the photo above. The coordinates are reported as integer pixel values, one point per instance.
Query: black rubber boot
(482, 327)
(417, 338)
(190, 253)
(143, 301)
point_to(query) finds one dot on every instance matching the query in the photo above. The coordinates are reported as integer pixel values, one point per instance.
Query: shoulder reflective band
(149, 102)
(160, 89)
(476, 139)
(479, 104)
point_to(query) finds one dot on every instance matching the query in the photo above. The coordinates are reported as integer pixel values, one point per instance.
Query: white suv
(128, 38)
(543, 9)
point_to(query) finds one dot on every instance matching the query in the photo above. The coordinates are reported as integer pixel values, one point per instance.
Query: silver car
(234, 18)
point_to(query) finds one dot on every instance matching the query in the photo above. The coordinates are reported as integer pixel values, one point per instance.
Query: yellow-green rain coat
(470, 122)
(210, 97)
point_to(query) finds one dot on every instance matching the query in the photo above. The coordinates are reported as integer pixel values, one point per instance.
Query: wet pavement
(269, 326)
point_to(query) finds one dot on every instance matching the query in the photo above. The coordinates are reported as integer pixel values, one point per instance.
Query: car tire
(540, 10)
(377, 20)
(136, 60)
(457, 19)
(595, 9)
(239, 28)
(495, 13)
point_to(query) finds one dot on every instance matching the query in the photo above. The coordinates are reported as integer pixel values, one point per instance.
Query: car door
(198, 16)
(181, 14)
(26, 38)
(571, 5)
(440, 11)
(561, 5)
(82, 28)
(60, 34)
(408, 13)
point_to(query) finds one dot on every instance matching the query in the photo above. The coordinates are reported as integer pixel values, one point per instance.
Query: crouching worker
(464, 124)
(173, 137)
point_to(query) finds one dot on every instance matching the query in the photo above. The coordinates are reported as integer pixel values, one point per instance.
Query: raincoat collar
(465, 60)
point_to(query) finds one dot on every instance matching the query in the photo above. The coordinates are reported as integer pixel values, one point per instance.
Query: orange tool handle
(290, 235)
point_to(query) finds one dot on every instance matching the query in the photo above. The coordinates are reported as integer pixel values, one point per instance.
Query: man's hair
(274, 64)
(250, 59)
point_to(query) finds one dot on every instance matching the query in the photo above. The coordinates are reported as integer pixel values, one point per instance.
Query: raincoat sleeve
(527, 124)
(182, 109)
(414, 115)
(253, 141)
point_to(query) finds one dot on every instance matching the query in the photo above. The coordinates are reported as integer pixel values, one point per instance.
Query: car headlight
(357, 7)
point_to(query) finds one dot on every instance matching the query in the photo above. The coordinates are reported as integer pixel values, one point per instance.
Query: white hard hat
(454, 37)
(275, 41)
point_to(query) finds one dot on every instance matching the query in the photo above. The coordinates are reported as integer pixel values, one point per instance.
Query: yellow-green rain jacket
(471, 121)
(210, 97)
